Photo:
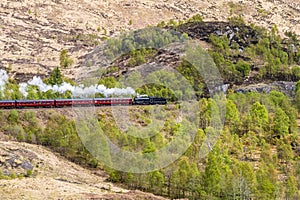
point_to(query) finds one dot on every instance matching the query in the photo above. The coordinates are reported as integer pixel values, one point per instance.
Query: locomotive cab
(141, 100)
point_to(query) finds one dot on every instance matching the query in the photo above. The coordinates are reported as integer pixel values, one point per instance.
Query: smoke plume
(77, 91)
(3, 79)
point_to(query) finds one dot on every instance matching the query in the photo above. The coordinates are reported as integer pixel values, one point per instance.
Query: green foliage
(232, 114)
(272, 54)
(266, 188)
(134, 79)
(16, 131)
(28, 173)
(32, 92)
(20, 136)
(195, 18)
(56, 77)
(247, 182)
(212, 174)
(11, 90)
(109, 82)
(156, 180)
(243, 67)
(148, 38)
(266, 154)
(138, 57)
(13, 116)
(193, 76)
(167, 84)
(297, 95)
(285, 152)
(111, 69)
(65, 60)
(221, 44)
(172, 23)
(161, 24)
(281, 123)
(2, 176)
(30, 116)
(291, 191)
(259, 116)
(20, 176)
(236, 20)
(13, 175)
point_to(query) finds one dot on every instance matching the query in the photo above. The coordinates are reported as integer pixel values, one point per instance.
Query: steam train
(60, 103)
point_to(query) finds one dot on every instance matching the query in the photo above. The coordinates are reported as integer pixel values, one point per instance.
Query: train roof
(88, 99)
(7, 101)
(147, 96)
(34, 100)
(142, 96)
(112, 98)
(158, 97)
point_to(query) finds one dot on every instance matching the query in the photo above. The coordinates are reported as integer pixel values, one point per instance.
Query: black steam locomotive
(146, 100)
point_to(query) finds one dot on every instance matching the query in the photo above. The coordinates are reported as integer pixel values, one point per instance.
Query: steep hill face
(33, 33)
(52, 177)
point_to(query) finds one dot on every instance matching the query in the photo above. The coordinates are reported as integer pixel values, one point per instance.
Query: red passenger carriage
(35, 103)
(73, 102)
(7, 104)
(112, 101)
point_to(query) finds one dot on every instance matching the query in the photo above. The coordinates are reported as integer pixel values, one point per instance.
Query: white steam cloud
(78, 91)
(3, 79)
(75, 90)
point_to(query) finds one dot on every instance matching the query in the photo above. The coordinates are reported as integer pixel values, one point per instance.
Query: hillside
(241, 145)
(259, 144)
(52, 177)
(33, 33)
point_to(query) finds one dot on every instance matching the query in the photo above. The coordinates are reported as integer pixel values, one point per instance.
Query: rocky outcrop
(241, 34)
(287, 88)
(14, 160)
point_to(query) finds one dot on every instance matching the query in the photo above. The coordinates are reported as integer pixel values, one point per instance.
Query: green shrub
(13, 175)
(243, 67)
(65, 60)
(13, 116)
(28, 173)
